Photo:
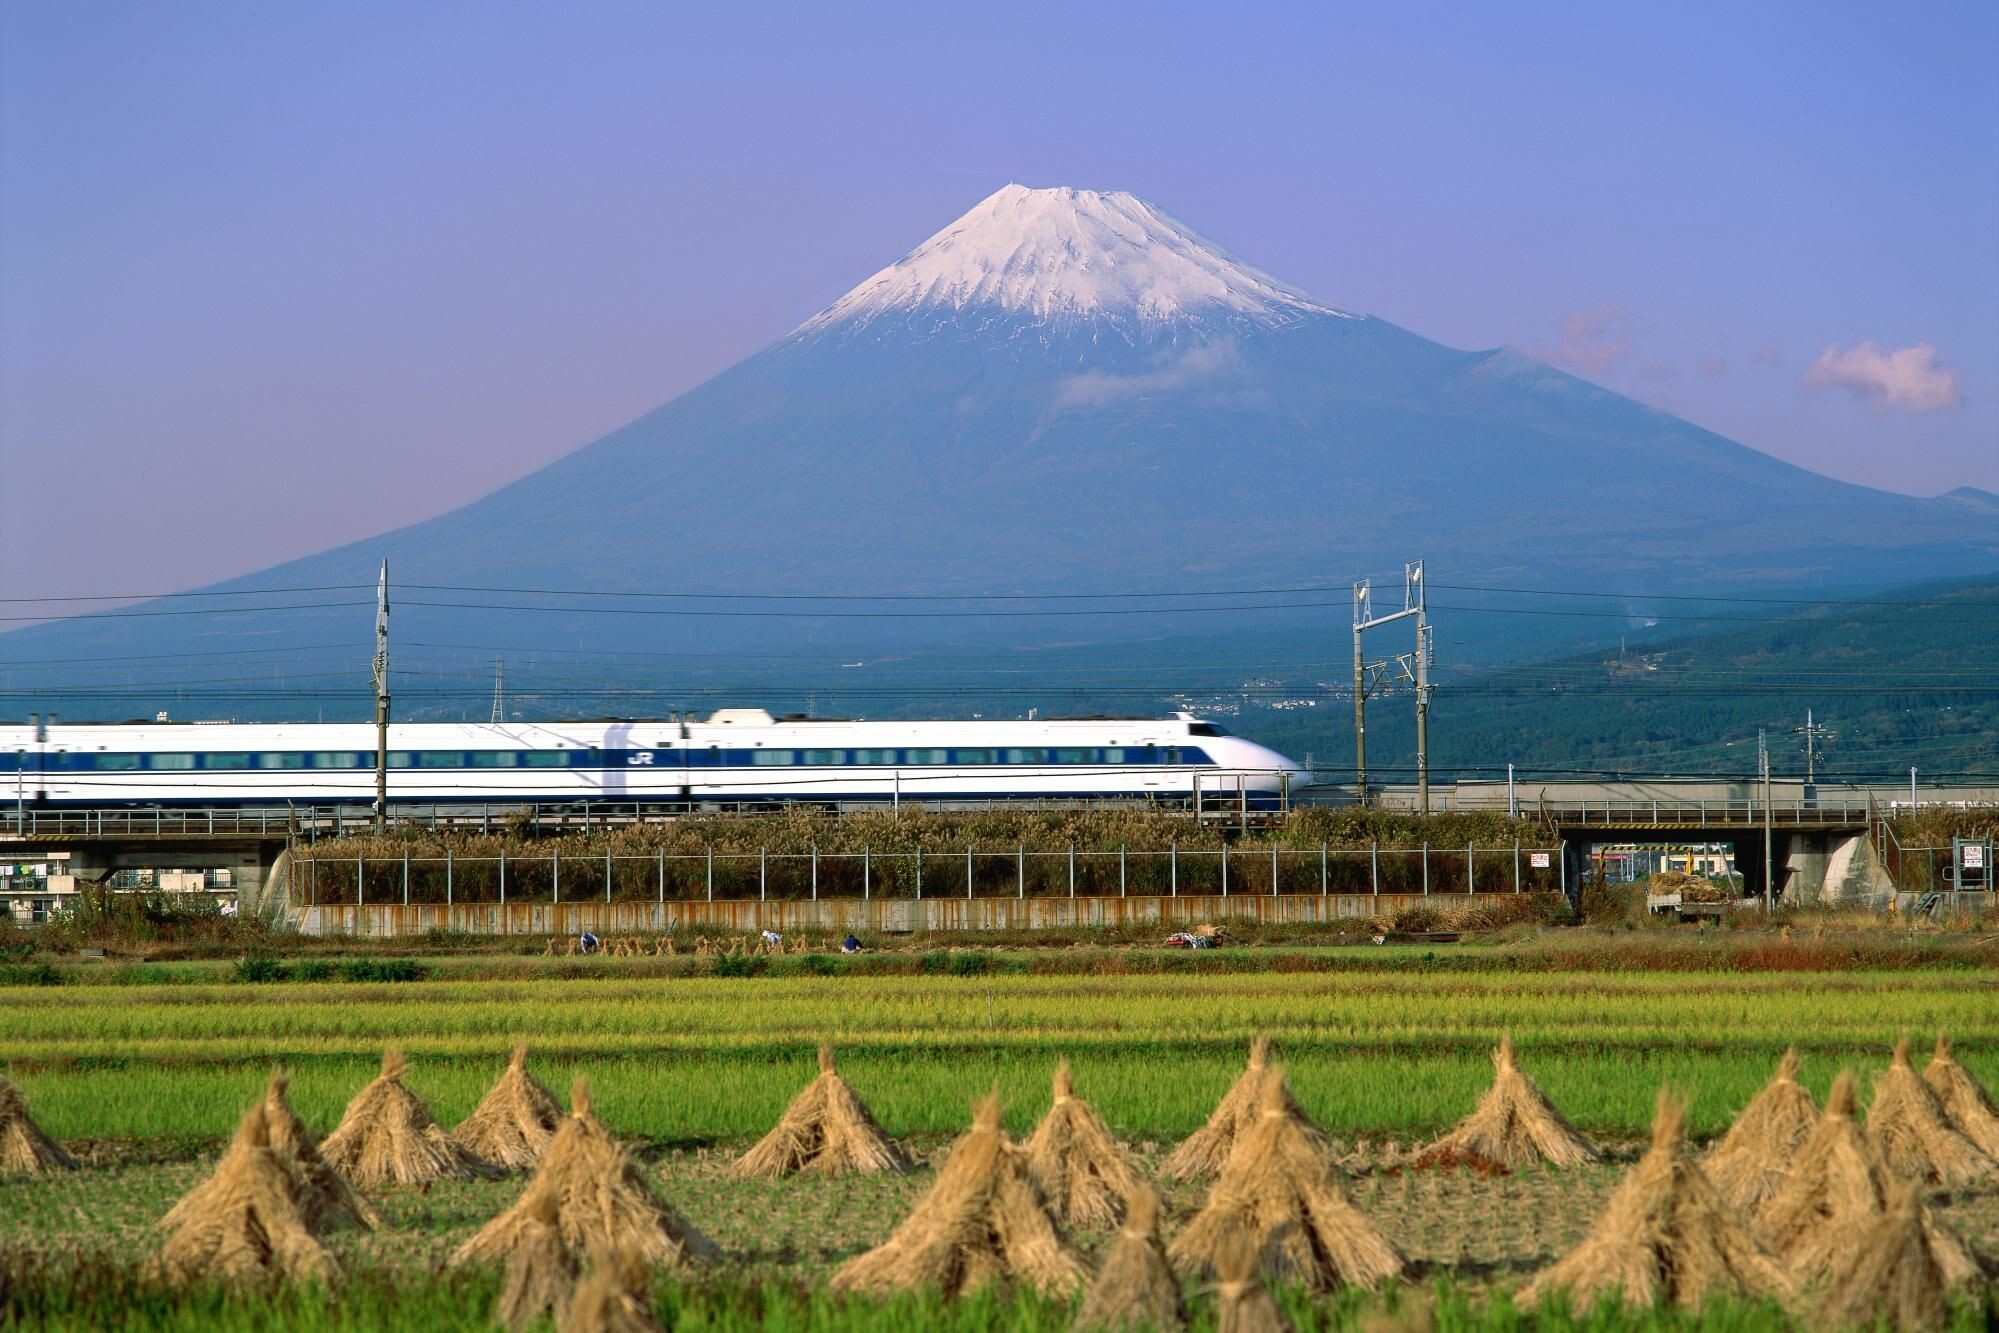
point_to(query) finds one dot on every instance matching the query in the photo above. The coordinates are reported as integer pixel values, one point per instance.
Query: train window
(774, 758)
(825, 756)
(1072, 756)
(491, 758)
(173, 762)
(874, 756)
(116, 763)
(543, 759)
(929, 756)
(1110, 755)
(401, 759)
(1027, 756)
(440, 759)
(1204, 729)
(227, 760)
(280, 759)
(975, 756)
(1172, 754)
(336, 759)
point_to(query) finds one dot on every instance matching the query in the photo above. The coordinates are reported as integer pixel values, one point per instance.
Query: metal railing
(972, 873)
(1717, 813)
(334, 821)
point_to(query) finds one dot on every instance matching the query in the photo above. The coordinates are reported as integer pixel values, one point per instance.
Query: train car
(733, 756)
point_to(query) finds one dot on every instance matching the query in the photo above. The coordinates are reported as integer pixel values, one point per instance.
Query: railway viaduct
(1821, 839)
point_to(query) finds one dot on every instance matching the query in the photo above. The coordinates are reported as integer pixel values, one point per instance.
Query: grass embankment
(702, 1060)
(1936, 825)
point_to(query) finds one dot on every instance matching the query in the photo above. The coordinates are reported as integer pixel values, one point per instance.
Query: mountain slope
(1067, 391)
(1908, 679)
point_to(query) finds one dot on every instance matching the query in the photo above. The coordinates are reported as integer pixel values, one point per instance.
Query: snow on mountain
(1064, 254)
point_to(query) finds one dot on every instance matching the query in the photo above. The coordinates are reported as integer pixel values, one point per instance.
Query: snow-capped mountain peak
(1061, 254)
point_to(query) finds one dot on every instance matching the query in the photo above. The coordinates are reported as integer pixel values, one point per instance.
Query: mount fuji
(1070, 391)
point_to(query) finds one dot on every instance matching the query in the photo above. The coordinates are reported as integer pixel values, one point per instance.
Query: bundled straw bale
(325, 1199)
(1916, 1138)
(1967, 1105)
(387, 1137)
(1242, 1303)
(1135, 1287)
(1513, 1125)
(612, 1296)
(24, 1149)
(1749, 1164)
(1835, 1195)
(1083, 1173)
(827, 1131)
(542, 1270)
(982, 1220)
(1666, 1234)
(328, 1200)
(1280, 1188)
(515, 1121)
(244, 1223)
(1208, 1147)
(1894, 1273)
(601, 1199)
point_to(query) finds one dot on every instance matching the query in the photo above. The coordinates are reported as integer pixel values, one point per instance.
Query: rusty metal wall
(879, 916)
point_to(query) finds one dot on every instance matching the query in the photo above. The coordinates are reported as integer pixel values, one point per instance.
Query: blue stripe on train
(656, 760)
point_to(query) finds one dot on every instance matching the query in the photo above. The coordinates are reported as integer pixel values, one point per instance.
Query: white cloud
(1908, 377)
(1594, 341)
(1094, 388)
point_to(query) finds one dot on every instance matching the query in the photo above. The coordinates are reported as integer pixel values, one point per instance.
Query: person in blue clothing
(587, 943)
(850, 945)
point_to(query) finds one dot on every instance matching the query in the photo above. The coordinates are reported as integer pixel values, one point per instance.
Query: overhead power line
(165, 596)
(1287, 589)
(1695, 597)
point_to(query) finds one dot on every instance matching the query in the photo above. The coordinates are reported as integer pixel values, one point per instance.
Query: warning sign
(1974, 855)
(1539, 860)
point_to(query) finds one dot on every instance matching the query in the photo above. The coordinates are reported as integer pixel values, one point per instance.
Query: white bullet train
(736, 755)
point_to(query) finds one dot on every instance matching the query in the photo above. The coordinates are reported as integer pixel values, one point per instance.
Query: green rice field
(708, 1059)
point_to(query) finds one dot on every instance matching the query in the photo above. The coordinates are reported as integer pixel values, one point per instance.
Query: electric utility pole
(1415, 668)
(499, 691)
(382, 701)
(1815, 737)
(1362, 608)
(1769, 864)
(1426, 654)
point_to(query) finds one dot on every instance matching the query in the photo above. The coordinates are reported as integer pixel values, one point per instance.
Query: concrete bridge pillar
(1854, 875)
(1801, 874)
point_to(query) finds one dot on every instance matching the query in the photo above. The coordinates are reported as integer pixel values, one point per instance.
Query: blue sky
(274, 277)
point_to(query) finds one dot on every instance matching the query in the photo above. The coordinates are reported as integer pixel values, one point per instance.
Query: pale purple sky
(274, 277)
